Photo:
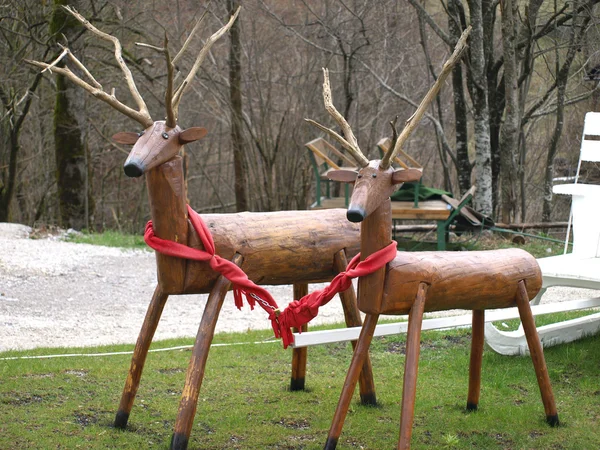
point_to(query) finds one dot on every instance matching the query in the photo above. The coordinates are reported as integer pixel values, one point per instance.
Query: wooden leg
(153, 314)
(476, 358)
(299, 355)
(352, 316)
(195, 372)
(358, 358)
(411, 367)
(537, 355)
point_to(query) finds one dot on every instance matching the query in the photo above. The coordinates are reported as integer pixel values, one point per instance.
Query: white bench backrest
(590, 149)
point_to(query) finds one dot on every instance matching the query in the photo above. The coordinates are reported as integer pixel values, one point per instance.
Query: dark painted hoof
(297, 384)
(121, 419)
(179, 441)
(552, 420)
(368, 399)
(331, 444)
(471, 406)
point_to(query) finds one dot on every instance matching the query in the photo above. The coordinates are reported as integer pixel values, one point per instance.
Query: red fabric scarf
(298, 312)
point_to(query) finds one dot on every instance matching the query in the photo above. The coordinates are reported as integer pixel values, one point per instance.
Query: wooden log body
(457, 280)
(282, 247)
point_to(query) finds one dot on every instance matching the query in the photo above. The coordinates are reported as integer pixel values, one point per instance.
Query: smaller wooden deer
(277, 248)
(415, 283)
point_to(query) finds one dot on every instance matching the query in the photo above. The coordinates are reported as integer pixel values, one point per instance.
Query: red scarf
(298, 312)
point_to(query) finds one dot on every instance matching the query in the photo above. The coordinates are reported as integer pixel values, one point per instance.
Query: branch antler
(349, 143)
(141, 115)
(199, 59)
(414, 120)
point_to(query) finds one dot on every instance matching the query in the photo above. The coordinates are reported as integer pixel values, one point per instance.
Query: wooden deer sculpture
(414, 283)
(290, 247)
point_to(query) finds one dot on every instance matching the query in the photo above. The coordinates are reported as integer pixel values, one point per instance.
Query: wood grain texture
(283, 247)
(360, 353)
(411, 366)
(478, 327)
(373, 186)
(376, 233)
(299, 355)
(459, 280)
(138, 359)
(195, 372)
(537, 354)
(352, 317)
(166, 192)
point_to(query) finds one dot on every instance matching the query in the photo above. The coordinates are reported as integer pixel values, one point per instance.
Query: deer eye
(359, 176)
(374, 175)
(165, 135)
(141, 133)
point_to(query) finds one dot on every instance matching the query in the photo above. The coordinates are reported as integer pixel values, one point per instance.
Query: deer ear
(343, 175)
(191, 135)
(406, 175)
(126, 137)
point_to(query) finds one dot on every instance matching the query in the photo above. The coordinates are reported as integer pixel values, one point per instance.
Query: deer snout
(356, 214)
(133, 168)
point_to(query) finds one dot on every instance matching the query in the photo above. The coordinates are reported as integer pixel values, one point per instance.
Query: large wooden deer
(414, 283)
(293, 247)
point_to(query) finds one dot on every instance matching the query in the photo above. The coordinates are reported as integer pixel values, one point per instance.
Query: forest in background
(509, 121)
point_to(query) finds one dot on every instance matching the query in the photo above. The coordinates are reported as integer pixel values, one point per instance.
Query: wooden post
(195, 372)
(537, 355)
(358, 358)
(477, 339)
(138, 359)
(353, 319)
(411, 367)
(166, 192)
(375, 233)
(299, 355)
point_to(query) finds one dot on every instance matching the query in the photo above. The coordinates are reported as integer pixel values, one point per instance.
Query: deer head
(376, 180)
(159, 141)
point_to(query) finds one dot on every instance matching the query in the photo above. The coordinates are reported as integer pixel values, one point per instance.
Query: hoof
(331, 444)
(552, 420)
(471, 406)
(179, 441)
(121, 419)
(368, 399)
(297, 384)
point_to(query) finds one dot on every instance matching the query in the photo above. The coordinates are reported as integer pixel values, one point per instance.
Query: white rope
(180, 347)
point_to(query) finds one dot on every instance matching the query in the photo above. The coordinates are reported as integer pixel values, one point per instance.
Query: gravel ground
(61, 294)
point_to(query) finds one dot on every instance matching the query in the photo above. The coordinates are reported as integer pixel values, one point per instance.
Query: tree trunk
(235, 94)
(461, 121)
(562, 78)
(509, 134)
(71, 170)
(11, 127)
(7, 188)
(483, 166)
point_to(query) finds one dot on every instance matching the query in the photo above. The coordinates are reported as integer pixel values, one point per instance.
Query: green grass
(244, 401)
(110, 238)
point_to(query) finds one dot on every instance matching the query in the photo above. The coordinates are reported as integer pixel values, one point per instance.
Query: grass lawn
(245, 403)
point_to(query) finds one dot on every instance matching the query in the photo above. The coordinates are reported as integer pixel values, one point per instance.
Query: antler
(414, 120)
(172, 100)
(141, 115)
(350, 142)
(199, 59)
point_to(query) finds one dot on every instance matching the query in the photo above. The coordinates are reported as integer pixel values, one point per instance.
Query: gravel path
(61, 294)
